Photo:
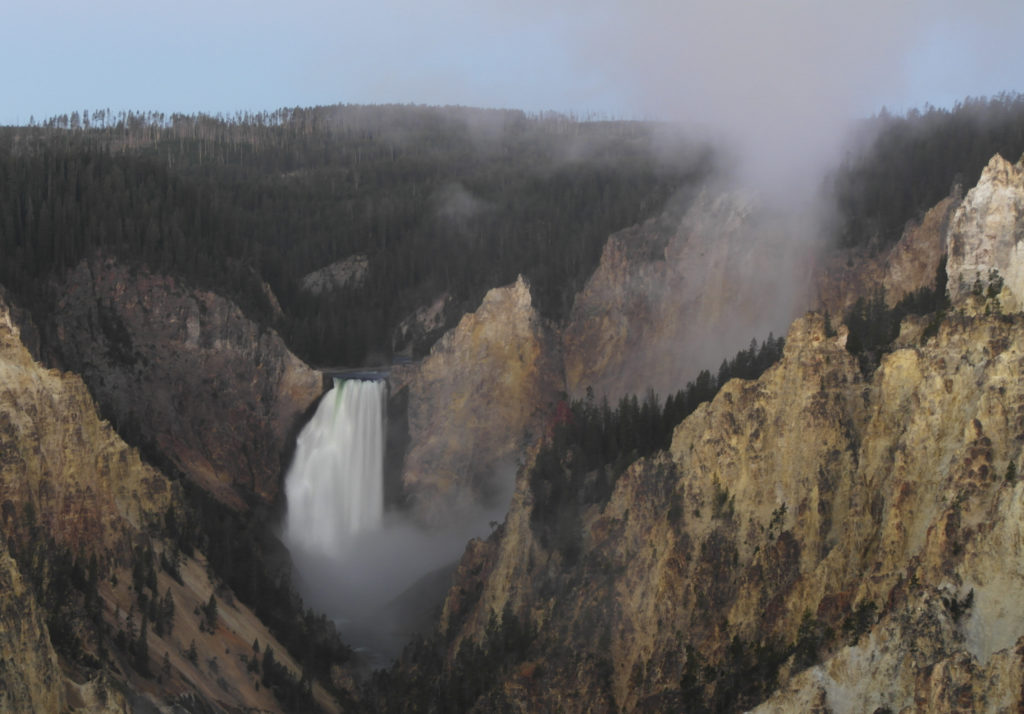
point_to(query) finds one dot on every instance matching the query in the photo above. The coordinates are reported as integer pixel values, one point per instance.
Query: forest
(441, 201)
(903, 165)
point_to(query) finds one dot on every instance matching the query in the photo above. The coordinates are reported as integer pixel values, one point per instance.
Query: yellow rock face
(80, 481)
(31, 678)
(859, 537)
(482, 394)
(803, 494)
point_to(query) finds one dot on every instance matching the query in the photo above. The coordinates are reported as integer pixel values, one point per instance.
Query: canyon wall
(485, 391)
(678, 293)
(815, 539)
(185, 373)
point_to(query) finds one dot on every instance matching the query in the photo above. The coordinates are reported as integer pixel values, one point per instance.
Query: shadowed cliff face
(680, 292)
(84, 486)
(911, 264)
(183, 371)
(814, 538)
(74, 498)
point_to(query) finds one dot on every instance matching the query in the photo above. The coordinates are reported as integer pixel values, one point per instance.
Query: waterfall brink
(335, 485)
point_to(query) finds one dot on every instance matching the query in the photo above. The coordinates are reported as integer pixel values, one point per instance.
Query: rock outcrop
(814, 540)
(74, 498)
(30, 677)
(987, 232)
(61, 467)
(666, 299)
(184, 373)
(350, 272)
(785, 507)
(418, 330)
(911, 264)
(484, 392)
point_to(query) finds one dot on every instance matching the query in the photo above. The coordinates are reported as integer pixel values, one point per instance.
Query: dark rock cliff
(184, 373)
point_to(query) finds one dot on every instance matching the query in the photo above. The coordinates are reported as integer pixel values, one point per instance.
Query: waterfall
(373, 574)
(335, 485)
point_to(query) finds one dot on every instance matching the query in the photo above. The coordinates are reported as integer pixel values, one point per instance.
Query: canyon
(820, 537)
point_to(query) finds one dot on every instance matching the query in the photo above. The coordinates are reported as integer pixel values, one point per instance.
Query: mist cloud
(383, 585)
(780, 81)
(776, 80)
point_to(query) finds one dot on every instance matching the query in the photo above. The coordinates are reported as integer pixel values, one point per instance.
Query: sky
(777, 74)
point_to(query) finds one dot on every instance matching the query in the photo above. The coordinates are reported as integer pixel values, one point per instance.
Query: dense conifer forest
(440, 200)
(906, 164)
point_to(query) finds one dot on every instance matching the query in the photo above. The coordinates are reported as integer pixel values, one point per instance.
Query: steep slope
(54, 449)
(104, 604)
(788, 509)
(681, 555)
(946, 556)
(987, 232)
(814, 539)
(911, 264)
(29, 674)
(463, 446)
(184, 371)
(647, 315)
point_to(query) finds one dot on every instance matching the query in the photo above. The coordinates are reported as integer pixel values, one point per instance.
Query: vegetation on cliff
(439, 200)
(585, 450)
(589, 445)
(874, 325)
(112, 558)
(842, 532)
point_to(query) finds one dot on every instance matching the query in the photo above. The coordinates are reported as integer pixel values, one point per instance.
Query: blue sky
(782, 76)
(627, 59)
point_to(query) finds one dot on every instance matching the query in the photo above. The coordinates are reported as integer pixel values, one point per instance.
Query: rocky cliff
(847, 275)
(461, 445)
(29, 674)
(667, 298)
(987, 231)
(185, 373)
(86, 523)
(789, 514)
(350, 272)
(62, 468)
(817, 539)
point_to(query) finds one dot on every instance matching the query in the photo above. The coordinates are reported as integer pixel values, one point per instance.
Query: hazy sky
(773, 72)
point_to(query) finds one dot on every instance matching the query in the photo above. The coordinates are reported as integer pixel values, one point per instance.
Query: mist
(384, 585)
(780, 89)
(776, 87)
(780, 80)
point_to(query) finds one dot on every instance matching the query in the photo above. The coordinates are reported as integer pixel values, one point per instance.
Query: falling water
(378, 576)
(335, 484)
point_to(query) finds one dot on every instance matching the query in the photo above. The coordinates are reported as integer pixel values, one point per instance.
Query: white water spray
(377, 576)
(335, 485)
